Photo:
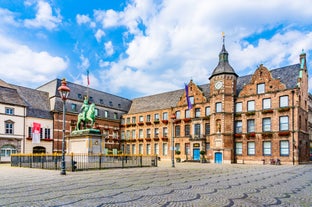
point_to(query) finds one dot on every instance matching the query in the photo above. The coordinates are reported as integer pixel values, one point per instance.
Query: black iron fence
(75, 162)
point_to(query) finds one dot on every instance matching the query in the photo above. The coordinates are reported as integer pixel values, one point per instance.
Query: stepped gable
(287, 75)
(37, 102)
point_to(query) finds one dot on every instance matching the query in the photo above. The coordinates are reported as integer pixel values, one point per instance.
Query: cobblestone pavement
(188, 184)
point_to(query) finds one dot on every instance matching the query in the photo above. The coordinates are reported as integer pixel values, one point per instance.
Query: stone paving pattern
(188, 184)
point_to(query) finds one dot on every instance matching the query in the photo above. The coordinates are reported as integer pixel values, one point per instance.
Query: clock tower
(222, 103)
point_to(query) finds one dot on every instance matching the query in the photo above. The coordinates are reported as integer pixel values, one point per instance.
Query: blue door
(196, 154)
(218, 157)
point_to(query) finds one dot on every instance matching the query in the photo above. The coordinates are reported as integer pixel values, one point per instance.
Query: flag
(189, 104)
(88, 79)
(36, 133)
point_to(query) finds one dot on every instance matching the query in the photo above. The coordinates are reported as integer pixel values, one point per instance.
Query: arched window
(7, 150)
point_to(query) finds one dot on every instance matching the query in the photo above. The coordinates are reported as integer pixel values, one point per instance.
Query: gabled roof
(9, 95)
(287, 75)
(37, 102)
(77, 93)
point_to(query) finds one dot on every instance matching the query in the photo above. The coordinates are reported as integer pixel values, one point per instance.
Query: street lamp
(173, 117)
(64, 93)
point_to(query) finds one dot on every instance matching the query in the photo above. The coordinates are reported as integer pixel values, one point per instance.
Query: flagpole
(88, 83)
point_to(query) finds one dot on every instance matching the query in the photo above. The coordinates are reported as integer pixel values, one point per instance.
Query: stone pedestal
(88, 141)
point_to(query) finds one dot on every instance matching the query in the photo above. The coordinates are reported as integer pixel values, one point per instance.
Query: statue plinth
(86, 141)
(86, 131)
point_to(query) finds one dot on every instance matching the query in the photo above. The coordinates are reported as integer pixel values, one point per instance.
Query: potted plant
(202, 153)
(177, 152)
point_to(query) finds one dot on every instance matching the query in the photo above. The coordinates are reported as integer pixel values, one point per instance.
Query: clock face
(218, 84)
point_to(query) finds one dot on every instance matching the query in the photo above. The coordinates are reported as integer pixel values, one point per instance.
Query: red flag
(36, 127)
(36, 133)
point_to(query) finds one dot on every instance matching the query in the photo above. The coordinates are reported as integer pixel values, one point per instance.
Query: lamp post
(64, 93)
(173, 117)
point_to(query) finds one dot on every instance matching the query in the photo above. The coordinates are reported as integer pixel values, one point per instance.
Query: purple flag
(189, 105)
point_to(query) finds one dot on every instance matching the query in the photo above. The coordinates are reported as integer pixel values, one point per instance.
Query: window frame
(283, 124)
(284, 148)
(187, 130)
(238, 148)
(218, 107)
(238, 107)
(9, 127)
(260, 88)
(9, 111)
(249, 129)
(197, 112)
(249, 106)
(282, 100)
(267, 150)
(187, 113)
(207, 111)
(251, 150)
(266, 103)
(266, 125)
(238, 126)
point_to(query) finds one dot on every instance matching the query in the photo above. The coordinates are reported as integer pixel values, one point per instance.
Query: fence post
(42, 162)
(20, 160)
(122, 161)
(100, 161)
(55, 160)
(141, 162)
(30, 161)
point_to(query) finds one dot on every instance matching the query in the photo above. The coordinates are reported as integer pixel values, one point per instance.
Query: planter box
(165, 121)
(267, 111)
(267, 134)
(283, 109)
(284, 133)
(250, 113)
(237, 135)
(187, 119)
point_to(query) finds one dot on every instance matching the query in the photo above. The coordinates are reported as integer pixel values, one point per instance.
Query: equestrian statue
(86, 115)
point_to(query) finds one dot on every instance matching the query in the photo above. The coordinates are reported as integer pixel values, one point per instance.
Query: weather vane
(223, 36)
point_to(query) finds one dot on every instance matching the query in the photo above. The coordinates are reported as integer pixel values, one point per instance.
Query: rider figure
(84, 108)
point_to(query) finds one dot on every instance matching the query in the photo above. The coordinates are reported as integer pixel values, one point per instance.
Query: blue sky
(135, 48)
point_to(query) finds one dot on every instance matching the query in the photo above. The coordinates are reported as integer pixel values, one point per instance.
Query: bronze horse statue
(86, 117)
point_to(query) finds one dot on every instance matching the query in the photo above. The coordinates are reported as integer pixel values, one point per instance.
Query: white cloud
(7, 17)
(44, 17)
(82, 19)
(19, 63)
(99, 34)
(182, 39)
(85, 63)
(109, 48)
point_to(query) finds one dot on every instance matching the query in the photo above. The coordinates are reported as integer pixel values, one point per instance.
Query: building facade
(12, 117)
(109, 109)
(249, 119)
(37, 111)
